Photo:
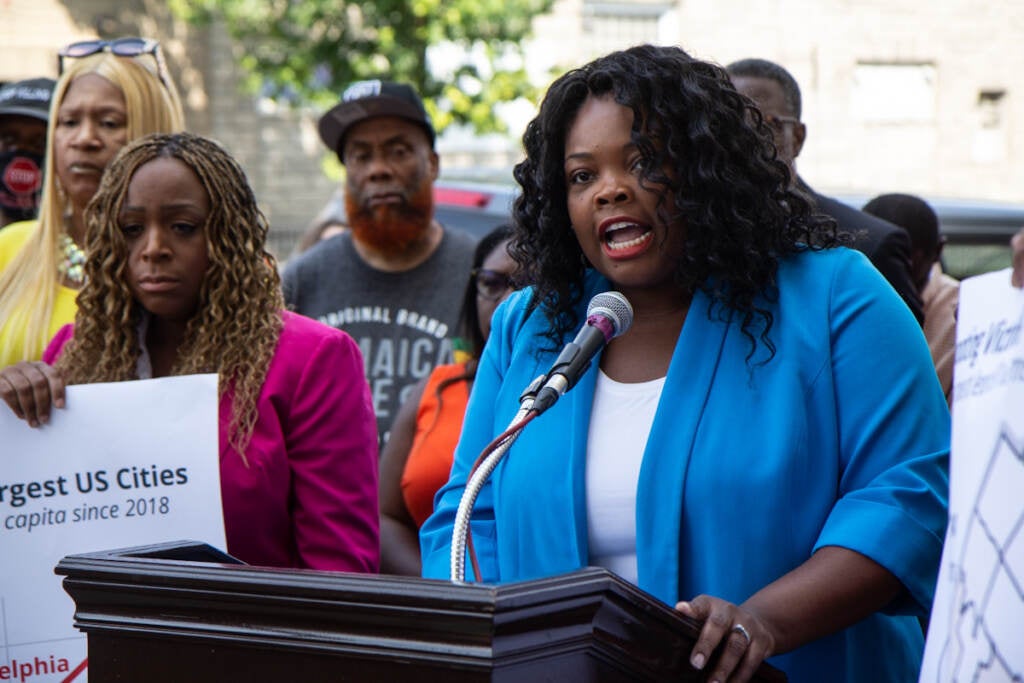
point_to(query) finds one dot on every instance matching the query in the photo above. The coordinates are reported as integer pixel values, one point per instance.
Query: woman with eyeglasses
(418, 455)
(108, 94)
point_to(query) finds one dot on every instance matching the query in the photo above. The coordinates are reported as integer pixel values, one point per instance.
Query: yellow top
(12, 239)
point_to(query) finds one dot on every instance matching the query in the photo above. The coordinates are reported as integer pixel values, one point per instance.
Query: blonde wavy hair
(29, 285)
(238, 318)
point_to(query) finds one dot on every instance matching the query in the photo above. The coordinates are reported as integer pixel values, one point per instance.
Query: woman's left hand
(747, 639)
(31, 389)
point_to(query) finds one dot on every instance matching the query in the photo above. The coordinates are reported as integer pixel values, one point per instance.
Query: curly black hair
(709, 147)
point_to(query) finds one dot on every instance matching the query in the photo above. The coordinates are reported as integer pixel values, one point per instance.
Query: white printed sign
(977, 620)
(124, 464)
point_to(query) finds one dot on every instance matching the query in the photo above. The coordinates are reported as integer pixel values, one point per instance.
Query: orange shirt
(438, 425)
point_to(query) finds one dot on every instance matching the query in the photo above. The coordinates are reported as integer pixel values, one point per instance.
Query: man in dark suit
(777, 95)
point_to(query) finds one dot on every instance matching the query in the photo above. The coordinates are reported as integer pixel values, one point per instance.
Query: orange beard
(391, 229)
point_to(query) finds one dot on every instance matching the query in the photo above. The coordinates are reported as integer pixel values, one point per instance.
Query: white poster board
(976, 631)
(124, 464)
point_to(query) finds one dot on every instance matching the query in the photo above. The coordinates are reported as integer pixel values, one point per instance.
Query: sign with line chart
(977, 619)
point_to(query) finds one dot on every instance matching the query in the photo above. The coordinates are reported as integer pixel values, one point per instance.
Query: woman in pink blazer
(178, 281)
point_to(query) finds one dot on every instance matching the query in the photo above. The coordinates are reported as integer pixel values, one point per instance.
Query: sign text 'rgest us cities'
(28, 505)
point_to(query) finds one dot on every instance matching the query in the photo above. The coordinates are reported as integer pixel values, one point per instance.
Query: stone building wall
(968, 142)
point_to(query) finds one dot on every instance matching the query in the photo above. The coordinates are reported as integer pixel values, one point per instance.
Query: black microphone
(608, 315)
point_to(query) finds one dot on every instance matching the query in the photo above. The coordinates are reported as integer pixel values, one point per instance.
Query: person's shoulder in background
(460, 239)
(868, 232)
(306, 270)
(323, 251)
(454, 255)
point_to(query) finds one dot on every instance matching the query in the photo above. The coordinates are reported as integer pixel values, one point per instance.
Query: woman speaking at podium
(766, 448)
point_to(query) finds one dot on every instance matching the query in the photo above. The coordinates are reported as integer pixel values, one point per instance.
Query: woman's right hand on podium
(746, 640)
(31, 389)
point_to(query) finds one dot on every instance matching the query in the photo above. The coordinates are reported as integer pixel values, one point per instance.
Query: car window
(977, 232)
(966, 260)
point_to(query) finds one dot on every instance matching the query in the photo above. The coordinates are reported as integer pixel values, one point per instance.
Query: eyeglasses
(778, 123)
(492, 285)
(122, 47)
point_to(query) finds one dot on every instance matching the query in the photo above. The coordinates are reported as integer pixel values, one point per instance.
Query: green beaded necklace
(71, 265)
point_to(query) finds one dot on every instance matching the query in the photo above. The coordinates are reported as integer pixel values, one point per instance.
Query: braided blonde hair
(238, 319)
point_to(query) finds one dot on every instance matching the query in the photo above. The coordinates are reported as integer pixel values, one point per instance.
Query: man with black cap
(24, 115)
(394, 280)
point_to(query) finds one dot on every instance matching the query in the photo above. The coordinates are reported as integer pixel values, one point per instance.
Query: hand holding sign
(31, 389)
(115, 468)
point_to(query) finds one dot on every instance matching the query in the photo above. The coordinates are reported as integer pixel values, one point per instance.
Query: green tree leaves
(464, 56)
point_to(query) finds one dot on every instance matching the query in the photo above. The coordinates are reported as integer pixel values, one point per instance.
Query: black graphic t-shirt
(403, 322)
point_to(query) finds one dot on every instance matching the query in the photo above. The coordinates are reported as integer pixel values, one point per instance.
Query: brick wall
(974, 47)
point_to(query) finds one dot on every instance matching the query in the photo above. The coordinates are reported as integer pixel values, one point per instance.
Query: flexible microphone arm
(478, 477)
(609, 314)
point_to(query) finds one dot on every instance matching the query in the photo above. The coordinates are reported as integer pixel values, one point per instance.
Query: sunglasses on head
(121, 47)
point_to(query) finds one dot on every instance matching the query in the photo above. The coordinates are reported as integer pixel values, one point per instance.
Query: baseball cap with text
(27, 98)
(368, 99)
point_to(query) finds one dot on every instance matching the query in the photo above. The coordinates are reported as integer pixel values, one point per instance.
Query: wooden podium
(187, 612)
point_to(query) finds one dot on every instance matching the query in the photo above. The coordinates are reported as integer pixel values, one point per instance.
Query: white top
(620, 422)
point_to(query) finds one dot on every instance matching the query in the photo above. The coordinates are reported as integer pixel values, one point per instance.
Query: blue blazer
(841, 438)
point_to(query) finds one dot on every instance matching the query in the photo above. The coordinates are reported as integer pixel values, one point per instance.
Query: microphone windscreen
(615, 307)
